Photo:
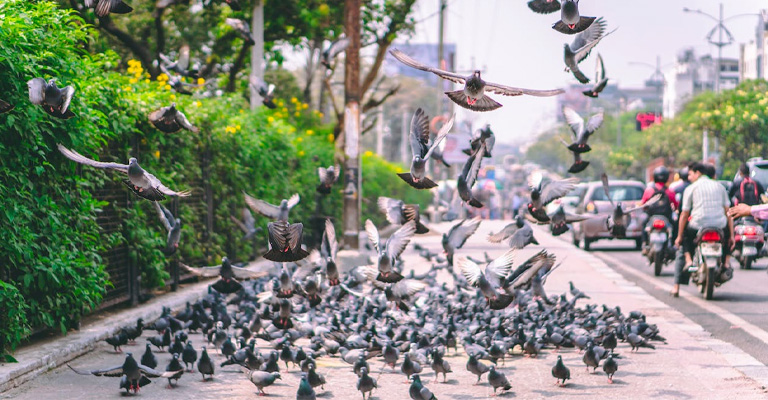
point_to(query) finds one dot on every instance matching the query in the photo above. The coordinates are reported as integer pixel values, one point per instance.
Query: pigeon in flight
(544, 6)
(398, 213)
(180, 66)
(5, 107)
(571, 22)
(580, 131)
(228, 275)
(600, 79)
(279, 213)
(618, 221)
(54, 101)
(266, 91)
(389, 251)
(135, 374)
(489, 281)
(337, 47)
(173, 226)
(242, 28)
(329, 247)
(578, 164)
(458, 235)
(141, 182)
(484, 135)
(519, 234)
(473, 95)
(468, 177)
(328, 176)
(171, 120)
(422, 149)
(581, 46)
(285, 242)
(104, 7)
(541, 194)
(559, 221)
(247, 225)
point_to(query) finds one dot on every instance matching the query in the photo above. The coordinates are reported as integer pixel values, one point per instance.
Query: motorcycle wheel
(710, 283)
(748, 262)
(658, 262)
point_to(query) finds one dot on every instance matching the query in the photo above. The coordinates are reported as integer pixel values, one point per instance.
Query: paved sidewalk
(692, 365)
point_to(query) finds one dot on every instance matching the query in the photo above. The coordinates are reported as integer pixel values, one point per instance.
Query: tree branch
(237, 67)
(139, 49)
(160, 32)
(373, 103)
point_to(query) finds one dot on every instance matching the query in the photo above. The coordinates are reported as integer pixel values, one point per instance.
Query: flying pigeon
(570, 21)
(580, 131)
(541, 195)
(247, 225)
(544, 6)
(171, 120)
(136, 375)
(484, 135)
(328, 176)
(180, 66)
(458, 235)
(600, 80)
(285, 242)
(618, 221)
(519, 234)
(279, 213)
(141, 182)
(104, 7)
(422, 149)
(578, 164)
(54, 101)
(473, 95)
(468, 177)
(228, 274)
(337, 47)
(398, 213)
(242, 29)
(490, 280)
(390, 251)
(329, 247)
(266, 91)
(581, 46)
(559, 221)
(173, 226)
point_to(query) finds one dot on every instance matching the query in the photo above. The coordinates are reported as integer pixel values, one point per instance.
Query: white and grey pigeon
(473, 95)
(581, 132)
(181, 65)
(266, 91)
(422, 148)
(104, 7)
(544, 6)
(389, 251)
(600, 80)
(489, 281)
(170, 120)
(141, 182)
(468, 177)
(242, 28)
(458, 235)
(543, 194)
(571, 22)
(328, 176)
(337, 47)
(54, 101)
(398, 213)
(581, 46)
(173, 226)
(279, 213)
(519, 234)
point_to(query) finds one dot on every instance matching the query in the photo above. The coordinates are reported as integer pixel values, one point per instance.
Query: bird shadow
(450, 382)
(672, 393)
(326, 395)
(640, 374)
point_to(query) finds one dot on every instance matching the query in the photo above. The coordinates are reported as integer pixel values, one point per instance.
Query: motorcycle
(657, 247)
(708, 270)
(750, 238)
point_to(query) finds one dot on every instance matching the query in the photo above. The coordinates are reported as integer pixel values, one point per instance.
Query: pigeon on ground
(571, 21)
(498, 380)
(314, 378)
(54, 101)
(141, 182)
(519, 234)
(398, 213)
(118, 340)
(171, 120)
(5, 107)
(262, 379)
(328, 176)
(490, 280)
(590, 358)
(366, 383)
(473, 95)
(133, 332)
(439, 365)
(581, 46)
(418, 391)
(580, 131)
(422, 148)
(174, 367)
(104, 7)
(135, 374)
(410, 367)
(561, 372)
(610, 366)
(305, 392)
(476, 367)
(148, 358)
(162, 340)
(576, 293)
(205, 365)
(266, 91)
(600, 80)
(544, 6)
(468, 177)
(458, 235)
(228, 348)
(247, 225)
(541, 194)
(389, 252)
(279, 213)
(637, 342)
(189, 356)
(285, 242)
(337, 47)
(173, 226)
(242, 28)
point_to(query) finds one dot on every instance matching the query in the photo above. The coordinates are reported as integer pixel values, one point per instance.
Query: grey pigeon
(636, 342)
(498, 380)
(458, 235)
(174, 367)
(618, 221)
(473, 95)
(148, 358)
(561, 372)
(181, 65)
(328, 176)
(410, 367)
(262, 379)
(141, 182)
(314, 378)
(173, 226)
(398, 213)
(401, 292)
(544, 6)
(389, 251)
(135, 374)
(418, 391)
(54, 101)
(266, 91)
(476, 367)
(519, 234)
(104, 7)
(490, 280)
(559, 220)
(440, 366)
(170, 120)
(590, 358)
(247, 225)
(543, 194)
(422, 148)
(189, 356)
(336, 47)
(581, 132)
(578, 164)
(118, 340)
(329, 247)
(305, 392)
(600, 80)
(228, 275)
(366, 383)
(571, 21)
(205, 365)
(578, 294)
(484, 135)
(581, 46)
(279, 213)
(610, 367)
(468, 177)
(242, 28)
(285, 242)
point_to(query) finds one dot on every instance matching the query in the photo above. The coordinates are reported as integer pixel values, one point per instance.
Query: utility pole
(352, 170)
(441, 55)
(257, 50)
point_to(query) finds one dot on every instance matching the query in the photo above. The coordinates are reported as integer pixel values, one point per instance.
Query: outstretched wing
(574, 120)
(80, 159)
(556, 189)
(508, 231)
(594, 123)
(499, 268)
(112, 372)
(460, 232)
(293, 200)
(513, 91)
(419, 136)
(165, 216)
(586, 40)
(373, 234)
(606, 187)
(262, 207)
(392, 209)
(207, 272)
(183, 121)
(397, 242)
(403, 58)
(469, 269)
(440, 136)
(407, 288)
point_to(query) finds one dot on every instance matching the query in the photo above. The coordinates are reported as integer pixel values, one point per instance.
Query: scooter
(750, 238)
(657, 248)
(708, 270)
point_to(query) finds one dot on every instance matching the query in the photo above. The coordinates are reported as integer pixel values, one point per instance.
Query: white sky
(519, 48)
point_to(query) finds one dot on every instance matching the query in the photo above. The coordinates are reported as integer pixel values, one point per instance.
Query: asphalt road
(745, 296)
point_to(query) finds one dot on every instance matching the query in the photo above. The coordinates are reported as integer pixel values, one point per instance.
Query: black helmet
(661, 174)
(684, 174)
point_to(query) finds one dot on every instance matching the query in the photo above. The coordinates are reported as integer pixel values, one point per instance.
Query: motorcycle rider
(706, 203)
(665, 206)
(679, 186)
(745, 189)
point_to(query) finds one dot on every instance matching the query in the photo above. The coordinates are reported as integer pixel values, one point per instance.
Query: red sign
(646, 119)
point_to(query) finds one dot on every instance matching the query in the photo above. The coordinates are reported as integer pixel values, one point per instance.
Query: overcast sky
(517, 47)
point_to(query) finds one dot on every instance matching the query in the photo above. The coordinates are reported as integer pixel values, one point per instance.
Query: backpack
(748, 192)
(661, 207)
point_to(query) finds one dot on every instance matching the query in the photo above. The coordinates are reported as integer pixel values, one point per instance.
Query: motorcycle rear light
(750, 230)
(659, 224)
(710, 237)
(591, 207)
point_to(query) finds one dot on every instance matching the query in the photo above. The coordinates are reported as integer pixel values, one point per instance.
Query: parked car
(593, 201)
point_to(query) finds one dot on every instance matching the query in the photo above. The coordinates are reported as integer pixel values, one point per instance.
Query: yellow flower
(127, 88)
(754, 117)
(270, 119)
(173, 97)
(200, 81)
(278, 115)
(310, 132)
(238, 127)
(198, 104)
(280, 103)
(368, 153)
(167, 87)
(294, 100)
(301, 153)
(304, 106)
(285, 109)
(298, 114)
(162, 78)
(133, 80)
(330, 137)
(146, 80)
(230, 129)
(320, 115)
(157, 154)
(299, 139)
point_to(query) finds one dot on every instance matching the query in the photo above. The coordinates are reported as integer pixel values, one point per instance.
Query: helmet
(661, 174)
(684, 174)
